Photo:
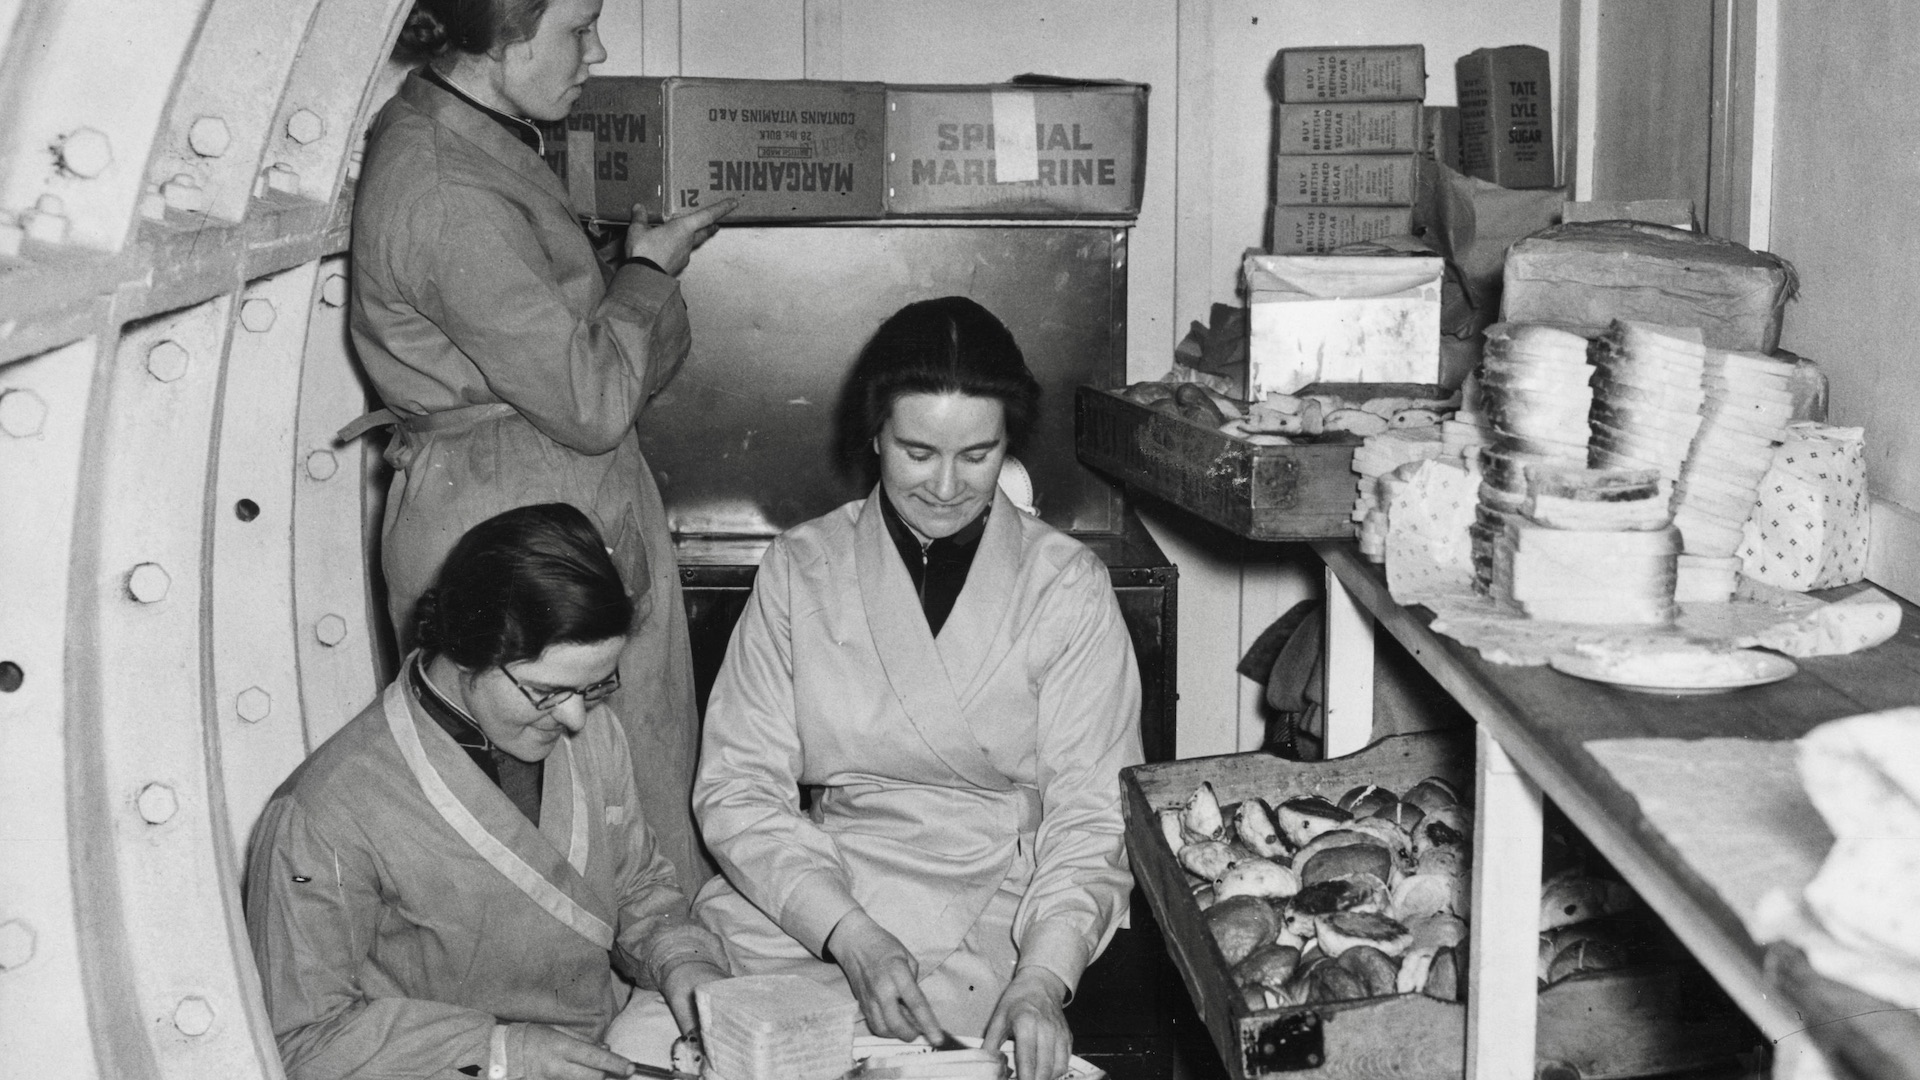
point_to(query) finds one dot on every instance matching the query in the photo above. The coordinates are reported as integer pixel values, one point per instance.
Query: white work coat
(966, 788)
(400, 905)
(517, 364)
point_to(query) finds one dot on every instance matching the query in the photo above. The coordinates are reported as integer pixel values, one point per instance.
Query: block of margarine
(775, 1027)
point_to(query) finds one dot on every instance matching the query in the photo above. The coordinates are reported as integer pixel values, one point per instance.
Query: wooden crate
(1304, 491)
(1634, 1022)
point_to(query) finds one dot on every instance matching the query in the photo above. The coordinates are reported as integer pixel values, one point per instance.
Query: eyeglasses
(549, 699)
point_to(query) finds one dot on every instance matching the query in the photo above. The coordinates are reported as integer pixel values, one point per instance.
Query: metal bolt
(253, 704)
(209, 136)
(22, 413)
(305, 126)
(321, 465)
(167, 360)
(184, 192)
(148, 583)
(157, 803)
(283, 179)
(333, 291)
(85, 153)
(257, 315)
(331, 630)
(193, 1016)
(16, 944)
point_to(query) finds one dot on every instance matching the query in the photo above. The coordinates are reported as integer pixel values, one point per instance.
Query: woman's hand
(681, 981)
(670, 244)
(885, 979)
(547, 1053)
(1030, 1013)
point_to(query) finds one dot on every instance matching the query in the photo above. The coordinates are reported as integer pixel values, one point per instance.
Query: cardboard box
(1315, 230)
(1354, 73)
(1506, 116)
(1441, 126)
(1353, 128)
(1587, 274)
(1341, 318)
(800, 150)
(1346, 179)
(1016, 150)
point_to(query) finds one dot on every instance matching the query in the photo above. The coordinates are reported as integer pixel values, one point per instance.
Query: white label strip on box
(1016, 158)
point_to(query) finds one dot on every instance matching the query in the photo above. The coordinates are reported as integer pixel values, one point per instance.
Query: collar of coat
(547, 863)
(455, 113)
(936, 680)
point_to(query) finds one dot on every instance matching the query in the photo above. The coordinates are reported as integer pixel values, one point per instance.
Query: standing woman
(514, 362)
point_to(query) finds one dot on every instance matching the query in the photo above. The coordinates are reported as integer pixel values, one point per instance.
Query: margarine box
(1309, 230)
(1341, 318)
(1506, 117)
(1346, 179)
(1049, 148)
(1362, 127)
(1354, 73)
(789, 150)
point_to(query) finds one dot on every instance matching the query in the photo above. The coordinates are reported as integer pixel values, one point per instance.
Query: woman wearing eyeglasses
(438, 889)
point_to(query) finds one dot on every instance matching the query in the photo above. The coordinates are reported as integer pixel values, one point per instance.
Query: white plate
(1680, 672)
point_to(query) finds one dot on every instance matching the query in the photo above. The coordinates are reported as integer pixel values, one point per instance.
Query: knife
(660, 1073)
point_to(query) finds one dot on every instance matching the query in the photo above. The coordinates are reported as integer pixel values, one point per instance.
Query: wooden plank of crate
(1504, 931)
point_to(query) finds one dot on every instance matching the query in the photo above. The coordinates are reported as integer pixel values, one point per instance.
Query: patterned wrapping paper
(1427, 547)
(1809, 530)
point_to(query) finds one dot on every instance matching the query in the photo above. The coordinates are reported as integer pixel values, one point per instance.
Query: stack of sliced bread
(1534, 396)
(1747, 407)
(1589, 546)
(775, 1027)
(1648, 390)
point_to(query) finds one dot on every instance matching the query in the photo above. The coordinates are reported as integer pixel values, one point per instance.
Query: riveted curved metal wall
(184, 607)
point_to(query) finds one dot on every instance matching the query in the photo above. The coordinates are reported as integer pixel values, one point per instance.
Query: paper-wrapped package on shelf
(1586, 274)
(1809, 530)
(1859, 918)
(1341, 318)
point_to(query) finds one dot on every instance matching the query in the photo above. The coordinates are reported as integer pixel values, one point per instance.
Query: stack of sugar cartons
(1748, 403)
(1534, 396)
(775, 1027)
(1347, 146)
(1589, 546)
(1376, 459)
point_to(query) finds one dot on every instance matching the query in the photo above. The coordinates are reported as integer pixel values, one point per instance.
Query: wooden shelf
(1543, 720)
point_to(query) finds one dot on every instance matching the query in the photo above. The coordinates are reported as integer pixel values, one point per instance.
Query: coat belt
(456, 419)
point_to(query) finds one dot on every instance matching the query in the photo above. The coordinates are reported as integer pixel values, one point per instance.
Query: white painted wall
(1209, 123)
(1846, 213)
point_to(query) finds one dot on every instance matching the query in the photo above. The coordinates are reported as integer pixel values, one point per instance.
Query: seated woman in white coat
(953, 681)
(439, 889)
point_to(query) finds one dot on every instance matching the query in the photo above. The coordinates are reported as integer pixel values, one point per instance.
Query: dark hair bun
(425, 35)
(426, 621)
